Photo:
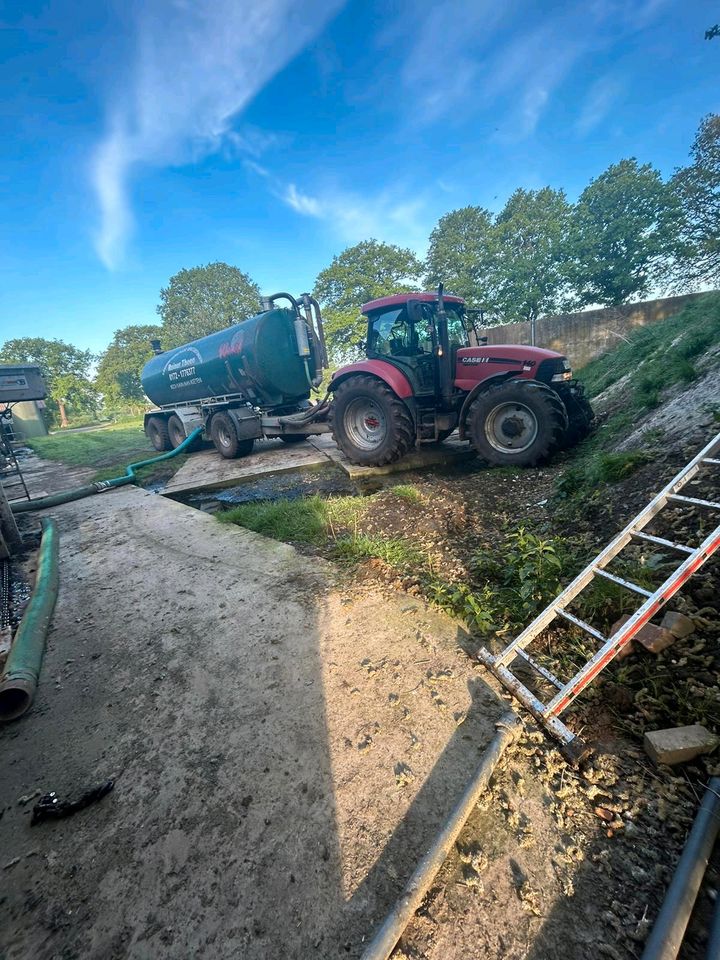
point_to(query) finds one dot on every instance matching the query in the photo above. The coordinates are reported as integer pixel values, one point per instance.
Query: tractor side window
(457, 334)
(391, 334)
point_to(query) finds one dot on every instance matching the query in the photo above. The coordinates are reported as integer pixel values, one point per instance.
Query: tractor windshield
(457, 333)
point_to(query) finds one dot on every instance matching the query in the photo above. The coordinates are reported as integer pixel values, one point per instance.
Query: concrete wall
(583, 336)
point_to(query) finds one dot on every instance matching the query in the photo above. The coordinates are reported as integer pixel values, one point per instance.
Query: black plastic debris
(51, 807)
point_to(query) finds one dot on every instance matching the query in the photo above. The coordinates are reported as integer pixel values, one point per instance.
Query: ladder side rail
(651, 606)
(603, 558)
(528, 699)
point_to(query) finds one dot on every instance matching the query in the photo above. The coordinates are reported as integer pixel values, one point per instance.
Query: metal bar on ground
(668, 931)
(384, 941)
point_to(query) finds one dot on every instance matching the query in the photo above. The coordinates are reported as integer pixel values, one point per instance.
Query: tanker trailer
(249, 381)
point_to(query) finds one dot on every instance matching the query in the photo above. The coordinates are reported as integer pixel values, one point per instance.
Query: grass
(110, 449)
(406, 491)
(659, 355)
(307, 520)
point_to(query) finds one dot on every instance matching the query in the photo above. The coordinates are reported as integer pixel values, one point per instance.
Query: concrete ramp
(207, 470)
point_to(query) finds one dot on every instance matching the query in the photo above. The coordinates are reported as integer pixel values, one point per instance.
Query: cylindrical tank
(259, 359)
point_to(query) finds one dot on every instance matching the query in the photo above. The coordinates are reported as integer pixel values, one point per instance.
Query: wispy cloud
(394, 214)
(196, 66)
(603, 94)
(470, 56)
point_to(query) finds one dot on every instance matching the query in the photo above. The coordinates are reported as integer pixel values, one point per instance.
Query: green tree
(65, 369)
(625, 230)
(360, 273)
(118, 374)
(698, 190)
(529, 261)
(203, 300)
(461, 255)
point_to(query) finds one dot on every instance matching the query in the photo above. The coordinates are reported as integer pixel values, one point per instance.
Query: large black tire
(225, 438)
(581, 416)
(157, 433)
(518, 422)
(293, 437)
(369, 423)
(176, 431)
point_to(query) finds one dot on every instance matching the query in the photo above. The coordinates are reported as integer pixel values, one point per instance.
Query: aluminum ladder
(548, 713)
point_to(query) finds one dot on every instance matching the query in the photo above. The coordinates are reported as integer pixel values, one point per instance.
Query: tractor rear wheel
(224, 437)
(157, 433)
(581, 415)
(369, 423)
(518, 422)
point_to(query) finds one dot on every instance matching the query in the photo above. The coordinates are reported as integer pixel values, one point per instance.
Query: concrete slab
(453, 450)
(207, 470)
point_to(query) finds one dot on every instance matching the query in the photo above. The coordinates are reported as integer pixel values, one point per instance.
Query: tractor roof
(398, 298)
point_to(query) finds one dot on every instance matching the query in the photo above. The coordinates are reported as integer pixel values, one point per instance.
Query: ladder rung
(623, 583)
(541, 670)
(662, 542)
(711, 460)
(583, 626)
(695, 501)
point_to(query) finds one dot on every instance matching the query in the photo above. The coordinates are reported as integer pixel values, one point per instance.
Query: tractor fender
(394, 378)
(476, 391)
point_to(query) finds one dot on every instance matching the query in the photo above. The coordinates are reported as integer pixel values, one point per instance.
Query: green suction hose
(67, 496)
(22, 668)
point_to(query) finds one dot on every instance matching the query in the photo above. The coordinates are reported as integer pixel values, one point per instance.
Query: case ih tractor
(420, 380)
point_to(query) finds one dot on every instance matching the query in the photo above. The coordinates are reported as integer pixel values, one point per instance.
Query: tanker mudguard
(394, 378)
(247, 422)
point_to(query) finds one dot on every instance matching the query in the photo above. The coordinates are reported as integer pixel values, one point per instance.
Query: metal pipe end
(16, 695)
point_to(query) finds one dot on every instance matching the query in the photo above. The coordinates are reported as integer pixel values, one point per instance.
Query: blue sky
(142, 137)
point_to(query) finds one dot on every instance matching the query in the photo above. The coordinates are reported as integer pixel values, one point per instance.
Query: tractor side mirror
(362, 344)
(482, 340)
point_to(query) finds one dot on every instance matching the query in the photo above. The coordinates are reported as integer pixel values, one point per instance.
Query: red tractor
(422, 379)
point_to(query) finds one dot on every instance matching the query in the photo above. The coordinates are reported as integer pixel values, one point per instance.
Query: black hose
(667, 934)
(286, 296)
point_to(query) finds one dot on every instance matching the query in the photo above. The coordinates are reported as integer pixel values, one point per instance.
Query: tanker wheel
(293, 437)
(224, 436)
(157, 433)
(369, 423)
(581, 415)
(176, 431)
(517, 422)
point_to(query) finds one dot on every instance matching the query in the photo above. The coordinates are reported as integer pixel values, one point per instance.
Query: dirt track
(284, 749)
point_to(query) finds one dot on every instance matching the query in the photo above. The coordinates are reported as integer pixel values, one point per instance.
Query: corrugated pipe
(668, 931)
(384, 941)
(22, 668)
(67, 496)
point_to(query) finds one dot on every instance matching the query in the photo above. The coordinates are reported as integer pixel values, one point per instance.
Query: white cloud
(391, 215)
(197, 65)
(602, 96)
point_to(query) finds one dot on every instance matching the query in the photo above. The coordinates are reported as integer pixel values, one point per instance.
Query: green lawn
(108, 449)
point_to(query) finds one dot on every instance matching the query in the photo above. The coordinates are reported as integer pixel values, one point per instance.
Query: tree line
(629, 234)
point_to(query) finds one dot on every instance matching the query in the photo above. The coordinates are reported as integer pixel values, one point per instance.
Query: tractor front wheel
(518, 422)
(369, 423)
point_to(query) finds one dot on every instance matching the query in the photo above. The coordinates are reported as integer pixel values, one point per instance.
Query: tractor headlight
(564, 374)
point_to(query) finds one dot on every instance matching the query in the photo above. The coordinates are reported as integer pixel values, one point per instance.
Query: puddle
(284, 486)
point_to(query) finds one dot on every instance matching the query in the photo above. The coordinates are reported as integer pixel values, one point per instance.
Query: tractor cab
(405, 330)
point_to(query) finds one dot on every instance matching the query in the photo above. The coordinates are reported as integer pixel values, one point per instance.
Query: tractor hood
(529, 363)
